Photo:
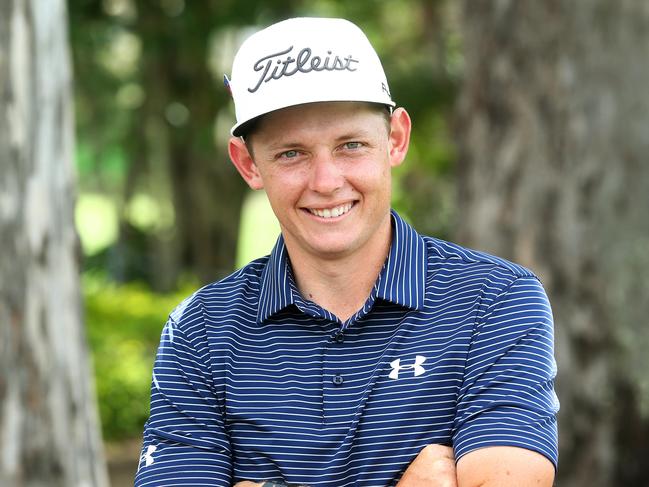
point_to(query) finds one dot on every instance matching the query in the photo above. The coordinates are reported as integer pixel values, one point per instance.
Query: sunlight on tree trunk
(49, 430)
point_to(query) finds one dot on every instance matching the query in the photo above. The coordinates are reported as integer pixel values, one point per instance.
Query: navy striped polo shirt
(252, 381)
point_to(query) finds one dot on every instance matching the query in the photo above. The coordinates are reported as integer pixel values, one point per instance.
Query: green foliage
(124, 323)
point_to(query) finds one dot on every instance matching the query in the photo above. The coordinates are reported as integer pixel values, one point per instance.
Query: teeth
(331, 212)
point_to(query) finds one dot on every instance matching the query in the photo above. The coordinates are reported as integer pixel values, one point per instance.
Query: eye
(289, 154)
(352, 145)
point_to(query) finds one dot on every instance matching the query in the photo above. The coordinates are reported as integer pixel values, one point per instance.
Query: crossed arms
(500, 466)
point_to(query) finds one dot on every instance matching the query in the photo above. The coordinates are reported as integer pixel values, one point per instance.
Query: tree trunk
(553, 133)
(49, 431)
(183, 163)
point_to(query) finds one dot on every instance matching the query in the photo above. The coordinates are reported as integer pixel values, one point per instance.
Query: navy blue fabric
(252, 381)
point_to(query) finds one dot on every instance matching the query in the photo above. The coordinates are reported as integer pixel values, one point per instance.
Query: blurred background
(530, 141)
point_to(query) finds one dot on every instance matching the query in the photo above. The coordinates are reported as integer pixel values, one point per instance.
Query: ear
(243, 161)
(399, 142)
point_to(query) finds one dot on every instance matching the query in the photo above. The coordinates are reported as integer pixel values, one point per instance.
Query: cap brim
(240, 129)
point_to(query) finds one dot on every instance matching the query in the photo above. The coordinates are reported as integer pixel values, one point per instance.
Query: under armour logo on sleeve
(397, 367)
(148, 456)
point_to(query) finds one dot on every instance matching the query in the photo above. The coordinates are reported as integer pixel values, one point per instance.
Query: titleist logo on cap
(304, 62)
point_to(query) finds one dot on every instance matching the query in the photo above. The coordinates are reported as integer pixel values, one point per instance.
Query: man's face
(326, 168)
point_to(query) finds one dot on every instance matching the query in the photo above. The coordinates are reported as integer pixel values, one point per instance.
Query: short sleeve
(185, 442)
(507, 397)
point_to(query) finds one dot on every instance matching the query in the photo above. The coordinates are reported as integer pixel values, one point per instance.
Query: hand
(433, 467)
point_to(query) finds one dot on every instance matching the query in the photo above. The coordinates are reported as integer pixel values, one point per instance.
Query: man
(359, 352)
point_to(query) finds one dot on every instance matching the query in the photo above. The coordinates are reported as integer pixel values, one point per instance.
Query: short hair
(251, 127)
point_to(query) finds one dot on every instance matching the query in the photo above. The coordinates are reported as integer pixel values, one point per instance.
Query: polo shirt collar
(276, 292)
(403, 277)
(401, 281)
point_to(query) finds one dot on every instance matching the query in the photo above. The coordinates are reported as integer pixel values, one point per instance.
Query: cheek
(371, 177)
(282, 186)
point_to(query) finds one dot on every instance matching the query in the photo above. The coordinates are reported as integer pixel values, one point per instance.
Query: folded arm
(487, 467)
(504, 466)
(185, 441)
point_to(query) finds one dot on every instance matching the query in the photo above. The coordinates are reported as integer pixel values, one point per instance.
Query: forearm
(433, 467)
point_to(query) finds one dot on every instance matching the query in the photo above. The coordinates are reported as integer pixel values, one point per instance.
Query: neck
(341, 284)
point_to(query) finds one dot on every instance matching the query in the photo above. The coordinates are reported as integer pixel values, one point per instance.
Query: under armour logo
(397, 367)
(148, 456)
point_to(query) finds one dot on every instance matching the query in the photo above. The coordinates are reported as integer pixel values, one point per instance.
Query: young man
(359, 352)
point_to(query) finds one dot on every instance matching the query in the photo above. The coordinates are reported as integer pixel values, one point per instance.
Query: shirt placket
(336, 377)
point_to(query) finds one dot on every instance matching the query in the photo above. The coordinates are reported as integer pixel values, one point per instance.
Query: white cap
(304, 60)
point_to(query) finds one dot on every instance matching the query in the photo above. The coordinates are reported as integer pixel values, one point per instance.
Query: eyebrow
(357, 134)
(283, 146)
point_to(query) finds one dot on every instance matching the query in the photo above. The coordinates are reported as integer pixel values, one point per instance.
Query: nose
(326, 176)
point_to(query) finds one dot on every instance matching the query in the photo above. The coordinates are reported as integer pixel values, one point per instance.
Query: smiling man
(358, 353)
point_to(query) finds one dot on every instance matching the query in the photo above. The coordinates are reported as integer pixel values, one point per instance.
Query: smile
(331, 212)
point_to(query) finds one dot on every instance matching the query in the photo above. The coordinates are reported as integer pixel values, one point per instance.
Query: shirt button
(339, 337)
(337, 380)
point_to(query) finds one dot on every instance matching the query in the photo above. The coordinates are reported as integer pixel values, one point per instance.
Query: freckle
(508, 472)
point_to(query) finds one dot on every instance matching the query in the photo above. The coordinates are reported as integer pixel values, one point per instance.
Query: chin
(333, 250)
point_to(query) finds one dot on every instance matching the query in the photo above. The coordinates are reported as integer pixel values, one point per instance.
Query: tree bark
(553, 124)
(49, 431)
